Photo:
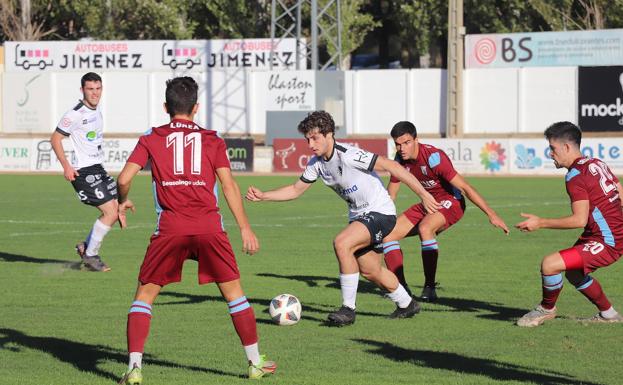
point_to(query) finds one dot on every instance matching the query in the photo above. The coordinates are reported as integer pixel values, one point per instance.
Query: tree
(18, 24)
(580, 14)
(229, 19)
(355, 25)
(422, 25)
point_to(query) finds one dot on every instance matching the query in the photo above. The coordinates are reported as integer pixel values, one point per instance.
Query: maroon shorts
(167, 253)
(452, 210)
(588, 256)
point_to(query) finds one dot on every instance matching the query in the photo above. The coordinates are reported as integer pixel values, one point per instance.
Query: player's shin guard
(243, 318)
(592, 290)
(95, 238)
(139, 319)
(552, 286)
(348, 287)
(430, 254)
(394, 260)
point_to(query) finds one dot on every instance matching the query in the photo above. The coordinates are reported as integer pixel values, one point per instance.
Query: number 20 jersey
(184, 159)
(592, 180)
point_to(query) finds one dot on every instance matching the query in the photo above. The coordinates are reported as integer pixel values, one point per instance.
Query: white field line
(308, 221)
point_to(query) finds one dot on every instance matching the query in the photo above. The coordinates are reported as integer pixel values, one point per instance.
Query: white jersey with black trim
(84, 126)
(350, 173)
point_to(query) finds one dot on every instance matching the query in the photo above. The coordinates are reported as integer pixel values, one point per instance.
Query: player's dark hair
(90, 77)
(402, 128)
(566, 131)
(181, 95)
(320, 120)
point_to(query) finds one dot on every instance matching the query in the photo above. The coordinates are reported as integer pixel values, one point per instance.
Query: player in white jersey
(349, 171)
(84, 126)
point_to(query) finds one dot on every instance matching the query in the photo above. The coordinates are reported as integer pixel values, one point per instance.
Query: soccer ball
(285, 309)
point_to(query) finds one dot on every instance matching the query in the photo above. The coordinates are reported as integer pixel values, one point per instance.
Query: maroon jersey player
(186, 161)
(596, 206)
(433, 169)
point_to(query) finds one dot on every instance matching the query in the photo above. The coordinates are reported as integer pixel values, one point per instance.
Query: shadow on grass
(323, 310)
(331, 282)
(86, 357)
(7, 257)
(499, 311)
(496, 370)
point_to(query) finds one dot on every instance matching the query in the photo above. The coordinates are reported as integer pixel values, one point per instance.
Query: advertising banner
(600, 90)
(292, 155)
(148, 55)
(289, 91)
(43, 159)
(531, 156)
(541, 49)
(240, 153)
(26, 105)
(470, 156)
(15, 154)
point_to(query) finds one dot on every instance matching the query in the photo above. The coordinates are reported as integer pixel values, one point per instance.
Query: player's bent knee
(552, 264)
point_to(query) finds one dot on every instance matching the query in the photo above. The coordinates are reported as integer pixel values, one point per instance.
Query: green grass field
(60, 325)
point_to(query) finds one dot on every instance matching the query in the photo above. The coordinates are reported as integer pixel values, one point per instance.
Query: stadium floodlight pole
(286, 22)
(314, 34)
(456, 33)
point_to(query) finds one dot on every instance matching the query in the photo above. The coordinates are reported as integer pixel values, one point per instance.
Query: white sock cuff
(610, 313)
(349, 278)
(400, 296)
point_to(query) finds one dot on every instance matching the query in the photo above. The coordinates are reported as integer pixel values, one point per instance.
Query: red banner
(292, 155)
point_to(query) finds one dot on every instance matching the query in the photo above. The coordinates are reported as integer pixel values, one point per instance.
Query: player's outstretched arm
(124, 181)
(392, 189)
(284, 193)
(57, 145)
(250, 244)
(470, 192)
(576, 220)
(399, 172)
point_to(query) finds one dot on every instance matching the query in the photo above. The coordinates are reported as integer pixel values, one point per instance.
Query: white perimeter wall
(497, 101)
(518, 100)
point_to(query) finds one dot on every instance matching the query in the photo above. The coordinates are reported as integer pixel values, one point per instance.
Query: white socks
(96, 237)
(253, 353)
(348, 284)
(135, 358)
(610, 313)
(400, 297)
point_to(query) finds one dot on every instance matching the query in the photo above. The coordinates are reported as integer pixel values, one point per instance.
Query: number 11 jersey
(184, 159)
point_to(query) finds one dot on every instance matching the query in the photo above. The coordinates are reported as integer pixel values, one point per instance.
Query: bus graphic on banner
(175, 55)
(26, 58)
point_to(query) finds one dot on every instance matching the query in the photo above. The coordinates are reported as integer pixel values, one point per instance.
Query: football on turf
(285, 309)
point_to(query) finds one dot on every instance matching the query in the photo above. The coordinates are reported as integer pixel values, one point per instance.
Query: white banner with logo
(15, 154)
(471, 156)
(150, 55)
(531, 156)
(571, 48)
(116, 153)
(288, 91)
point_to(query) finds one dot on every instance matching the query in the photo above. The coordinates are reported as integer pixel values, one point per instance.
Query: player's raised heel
(342, 317)
(429, 293)
(132, 377)
(412, 309)
(263, 368)
(94, 263)
(598, 318)
(81, 249)
(536, 317)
